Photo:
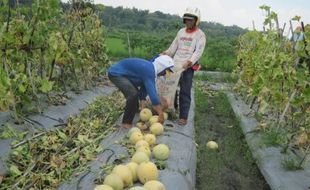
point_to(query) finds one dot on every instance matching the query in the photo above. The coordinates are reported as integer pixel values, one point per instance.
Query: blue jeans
(186, 81)
(131, 94)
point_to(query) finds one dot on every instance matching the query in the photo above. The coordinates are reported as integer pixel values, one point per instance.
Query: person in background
(186, 49)
(298, 36)
(135, 78)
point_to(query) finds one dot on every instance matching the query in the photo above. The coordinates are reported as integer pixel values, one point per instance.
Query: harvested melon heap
(140, 170)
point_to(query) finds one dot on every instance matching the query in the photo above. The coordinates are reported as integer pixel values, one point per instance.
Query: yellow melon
(154, 185)
(125, 173)
(161, 152)
(153, 119)
(141, 126)
(142, 143)
(114, 181)
(135, 137)
(103, 187)
(144, 149)
(147, 171)
(140, 157)
(145, 114)
(132, 130)
(150, 139)
(137, 188)
(133, 168)
(157, 129)
(212, 145)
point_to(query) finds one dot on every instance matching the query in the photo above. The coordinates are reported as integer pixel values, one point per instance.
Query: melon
(157, 129)
(145, 114)
(135, 137)
(147, 171)
(133, 168)
(161, 152)
(153, 119)
(144, 149)
(142, 143)
(140, 157)
(114, 181)
(141, 125)
(212, 145)
(103, 187)
(137, 188)
(154, 185)
(132, 130)
(150, 139)
(165, 115)
(125, 173)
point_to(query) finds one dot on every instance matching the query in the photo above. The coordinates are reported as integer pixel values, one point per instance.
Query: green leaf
(46, 86)
(62, 135)
(296, 18)
(14, 171)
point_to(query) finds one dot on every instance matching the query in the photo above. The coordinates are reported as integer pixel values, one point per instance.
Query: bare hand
(161, 118)
(187, 65)
(142, 104)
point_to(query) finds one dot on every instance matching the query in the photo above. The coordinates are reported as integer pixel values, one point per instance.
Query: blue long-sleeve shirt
(141, 73)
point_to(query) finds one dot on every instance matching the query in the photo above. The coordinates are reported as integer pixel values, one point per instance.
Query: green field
(117, 49)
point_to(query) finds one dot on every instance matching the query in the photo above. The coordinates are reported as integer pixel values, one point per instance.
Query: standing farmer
(135, 78)
(186, 49)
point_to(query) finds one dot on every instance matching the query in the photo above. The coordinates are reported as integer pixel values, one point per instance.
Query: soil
(231, 167)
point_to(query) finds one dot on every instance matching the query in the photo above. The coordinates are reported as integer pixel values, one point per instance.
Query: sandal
(182, 122)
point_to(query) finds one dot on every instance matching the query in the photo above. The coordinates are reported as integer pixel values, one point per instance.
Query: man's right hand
(161, 118)
(160, 113)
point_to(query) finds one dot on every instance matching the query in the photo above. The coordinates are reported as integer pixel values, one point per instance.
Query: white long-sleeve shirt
(187, 46)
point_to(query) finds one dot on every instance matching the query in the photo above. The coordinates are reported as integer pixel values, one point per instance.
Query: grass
(274, 137)
(210, 64)
(118, 50)
(291, 164)
(232, 166)
(225, 77)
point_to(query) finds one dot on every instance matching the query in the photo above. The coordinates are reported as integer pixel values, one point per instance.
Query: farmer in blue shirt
(135, 78)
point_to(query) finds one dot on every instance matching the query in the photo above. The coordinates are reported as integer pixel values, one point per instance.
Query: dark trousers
(186, 81)
(131, 94)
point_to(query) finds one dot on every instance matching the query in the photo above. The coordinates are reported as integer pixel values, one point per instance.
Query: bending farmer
(135, 78)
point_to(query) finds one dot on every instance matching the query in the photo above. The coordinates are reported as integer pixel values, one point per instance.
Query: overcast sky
(227, 12)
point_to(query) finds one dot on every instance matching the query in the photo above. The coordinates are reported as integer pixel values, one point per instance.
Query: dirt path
(232, 167)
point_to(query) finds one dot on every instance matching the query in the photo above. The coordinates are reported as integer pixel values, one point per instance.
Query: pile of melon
(140, 168)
